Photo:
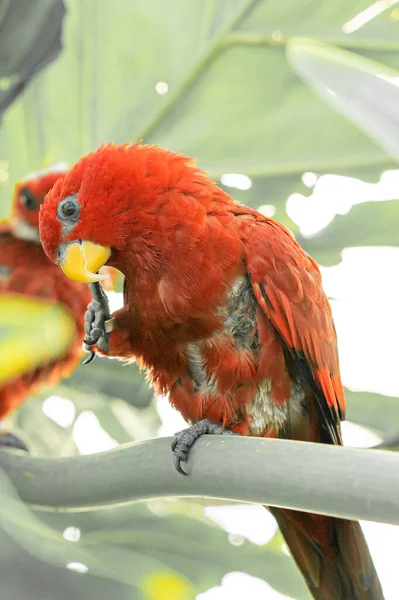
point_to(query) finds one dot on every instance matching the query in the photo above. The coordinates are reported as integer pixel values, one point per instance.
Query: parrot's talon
(177, 462)
(89, 316)
(95, 334)
(98, 322)
(89, 358)
(9, 440)
(183, 440)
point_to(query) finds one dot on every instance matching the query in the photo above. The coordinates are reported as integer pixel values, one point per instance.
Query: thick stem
(343, 482)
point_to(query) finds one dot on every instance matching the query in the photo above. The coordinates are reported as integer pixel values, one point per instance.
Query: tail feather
(332, 555)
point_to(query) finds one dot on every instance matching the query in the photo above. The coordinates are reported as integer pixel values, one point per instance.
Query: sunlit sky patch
(60, 410)
(357, 436)
(71, 534)
(365, 308)
(115, 300)
(89, 436)
(309, 179)
(269, 210)
(254, 523)
(237, 585)
(383, 541)
(236, 180)
(335, 195)
(77, 567)
(172, 420)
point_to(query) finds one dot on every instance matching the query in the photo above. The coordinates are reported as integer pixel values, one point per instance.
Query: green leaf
(232, 102)
(195, 545)
(374, 411)
(103, 560)
(31, 39)
(130, 544)
(363, 90)
(113, 379)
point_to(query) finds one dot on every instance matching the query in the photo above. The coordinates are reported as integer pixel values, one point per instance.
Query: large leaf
(119, 565)
(232, 101)
(132, 546)
(30, 38)
(114, 379)
(46, 437)
(364, 90)
(374, 411)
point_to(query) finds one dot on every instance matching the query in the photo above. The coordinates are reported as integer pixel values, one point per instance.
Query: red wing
(287, 286)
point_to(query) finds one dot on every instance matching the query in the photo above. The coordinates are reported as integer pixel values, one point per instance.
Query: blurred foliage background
(211, 79)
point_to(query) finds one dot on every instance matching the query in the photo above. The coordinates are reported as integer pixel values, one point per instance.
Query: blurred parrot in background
(41, 310)
(227, 314)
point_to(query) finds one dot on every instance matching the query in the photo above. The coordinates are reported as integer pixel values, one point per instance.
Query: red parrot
(227, 314)
(27, 273)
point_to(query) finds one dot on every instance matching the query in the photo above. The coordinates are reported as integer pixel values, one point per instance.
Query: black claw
(9, 440)
(89, 358)
(178, 467)
(92, 339)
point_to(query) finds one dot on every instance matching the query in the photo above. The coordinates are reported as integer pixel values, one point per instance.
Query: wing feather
(287, 285)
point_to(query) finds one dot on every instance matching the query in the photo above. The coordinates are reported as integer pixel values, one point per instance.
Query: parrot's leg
(183, 440)
(9, 440)
(98, 322)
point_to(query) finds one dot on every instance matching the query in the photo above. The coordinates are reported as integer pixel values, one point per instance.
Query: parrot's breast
(232, 378)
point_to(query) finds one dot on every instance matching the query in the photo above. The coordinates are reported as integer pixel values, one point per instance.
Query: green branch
(343, 482)
(203, 61)
(277, 38)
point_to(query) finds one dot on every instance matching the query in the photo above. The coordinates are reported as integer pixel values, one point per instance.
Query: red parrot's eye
(68, 209)
(27, 199)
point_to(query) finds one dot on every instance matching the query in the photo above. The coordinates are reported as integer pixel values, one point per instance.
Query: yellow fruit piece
(32, 332)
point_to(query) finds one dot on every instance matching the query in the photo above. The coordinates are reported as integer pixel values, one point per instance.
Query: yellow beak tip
(82, 259)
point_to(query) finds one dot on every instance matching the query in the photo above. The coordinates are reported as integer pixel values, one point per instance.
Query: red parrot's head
(29, 194)
(114, 197)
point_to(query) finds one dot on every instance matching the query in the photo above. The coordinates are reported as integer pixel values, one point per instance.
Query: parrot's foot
(9, 440)
(98, 323)
(183, 440)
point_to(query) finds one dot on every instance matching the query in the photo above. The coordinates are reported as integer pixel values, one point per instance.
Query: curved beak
(80, 260)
